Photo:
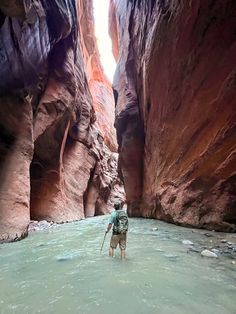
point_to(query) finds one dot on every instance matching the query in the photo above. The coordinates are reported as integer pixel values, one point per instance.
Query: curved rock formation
(52, 149)
(175, 97)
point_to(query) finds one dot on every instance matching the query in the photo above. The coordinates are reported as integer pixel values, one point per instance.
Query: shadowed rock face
(175, 96)
(52, 149)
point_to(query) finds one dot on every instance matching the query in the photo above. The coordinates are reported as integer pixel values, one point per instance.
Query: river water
(62, 270)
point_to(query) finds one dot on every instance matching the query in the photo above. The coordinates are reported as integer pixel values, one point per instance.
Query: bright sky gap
(101, 8)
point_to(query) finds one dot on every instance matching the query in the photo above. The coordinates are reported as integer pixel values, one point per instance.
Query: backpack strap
(117, 217)
(116, 221)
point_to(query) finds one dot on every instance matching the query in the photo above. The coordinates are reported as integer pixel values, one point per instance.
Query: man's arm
(111, 221)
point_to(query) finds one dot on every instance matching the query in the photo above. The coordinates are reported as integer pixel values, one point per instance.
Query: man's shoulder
(113, 214)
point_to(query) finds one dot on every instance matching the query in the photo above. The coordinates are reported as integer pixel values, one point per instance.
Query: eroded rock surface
(52, 91)
(175, 97)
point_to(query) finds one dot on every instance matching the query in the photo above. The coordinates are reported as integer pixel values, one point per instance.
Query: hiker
(119, 220)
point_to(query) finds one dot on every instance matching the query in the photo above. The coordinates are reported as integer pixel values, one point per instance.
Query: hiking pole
(103, 240)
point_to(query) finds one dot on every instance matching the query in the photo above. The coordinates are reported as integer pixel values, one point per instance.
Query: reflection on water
(63, 271)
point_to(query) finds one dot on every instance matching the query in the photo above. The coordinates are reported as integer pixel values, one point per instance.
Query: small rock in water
(171, 256)
(223, 241)
(233, 262)
(154, 229)
(187, 242)
(208, 253)
(217, 252)
(43, 224)
(226, 251)
(208, 235)
(39, 225)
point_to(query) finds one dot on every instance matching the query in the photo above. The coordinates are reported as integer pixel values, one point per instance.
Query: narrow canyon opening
(79, 132)
(112, 102)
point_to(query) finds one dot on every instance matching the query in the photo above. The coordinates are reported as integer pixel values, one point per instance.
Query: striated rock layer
(56, 161)
(175, 92)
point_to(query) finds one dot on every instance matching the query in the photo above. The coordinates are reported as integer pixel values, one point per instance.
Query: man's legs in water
(111, 252)
(122, 254)
(113, 244)
(122, 246)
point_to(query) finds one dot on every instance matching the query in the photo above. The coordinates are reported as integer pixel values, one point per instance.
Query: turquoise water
(63, 271)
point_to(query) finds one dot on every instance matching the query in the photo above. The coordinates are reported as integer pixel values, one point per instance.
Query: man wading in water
(119, 220)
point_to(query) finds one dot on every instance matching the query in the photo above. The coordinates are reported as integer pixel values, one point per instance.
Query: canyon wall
(58, 156)
(175, 92)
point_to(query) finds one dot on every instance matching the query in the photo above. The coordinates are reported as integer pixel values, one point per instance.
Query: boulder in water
(208, 253)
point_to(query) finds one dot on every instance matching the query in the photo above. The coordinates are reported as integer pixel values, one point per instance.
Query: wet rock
(226, 251)
(39, 225)
(223, 241)
(44, 224)
(154, 229)
(208, 235)
(208, 253)
(32, 225)
(187, 242)
(217, 252)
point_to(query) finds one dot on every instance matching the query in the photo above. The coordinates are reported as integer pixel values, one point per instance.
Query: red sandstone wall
(52, 148)
(175, 84)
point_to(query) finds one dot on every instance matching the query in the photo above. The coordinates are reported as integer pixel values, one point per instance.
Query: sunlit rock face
(100, 87)
(175, 93)
(52, 149)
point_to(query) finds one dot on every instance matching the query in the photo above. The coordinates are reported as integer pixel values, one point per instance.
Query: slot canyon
(58, 142)
(174, 99)
(118, 156)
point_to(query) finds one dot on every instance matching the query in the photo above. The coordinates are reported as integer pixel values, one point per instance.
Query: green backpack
(121, 225)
